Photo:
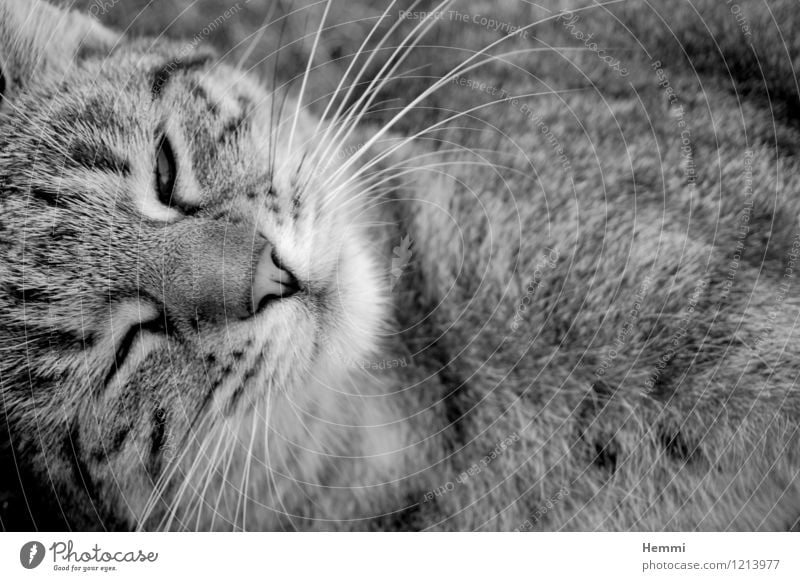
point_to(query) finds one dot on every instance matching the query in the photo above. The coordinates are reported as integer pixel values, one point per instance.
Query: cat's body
(592, 328)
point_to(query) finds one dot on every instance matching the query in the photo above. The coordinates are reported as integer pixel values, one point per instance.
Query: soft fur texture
(593, 327)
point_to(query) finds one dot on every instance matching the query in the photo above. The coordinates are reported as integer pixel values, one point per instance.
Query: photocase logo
(31, 554)
(402, 256)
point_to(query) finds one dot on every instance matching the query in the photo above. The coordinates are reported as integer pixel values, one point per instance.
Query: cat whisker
(459, 70)
(274, 118)
(399, 55)
(258, 34)
(391, 172)
(356, 82)
(276, 494)
(189, 479)
(394, 173)
(224, 482)
(297, 461)
(158, 493)
(305, 76)
(209, 477)
(405, 141)
(349, 68)
(235, 440)
(243, 497)
(318, 158)
(196, 427)
(436, 125)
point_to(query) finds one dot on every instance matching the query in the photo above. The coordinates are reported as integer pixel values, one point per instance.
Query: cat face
(175, 247)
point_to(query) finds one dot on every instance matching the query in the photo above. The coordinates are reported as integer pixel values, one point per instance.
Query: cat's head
(176, 246)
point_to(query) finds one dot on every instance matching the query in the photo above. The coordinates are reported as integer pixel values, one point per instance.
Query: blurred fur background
(703, 36)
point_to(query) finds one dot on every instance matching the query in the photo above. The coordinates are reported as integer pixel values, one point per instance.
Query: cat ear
(39, 39)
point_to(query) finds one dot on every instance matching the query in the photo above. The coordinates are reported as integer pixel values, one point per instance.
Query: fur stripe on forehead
(164, 73)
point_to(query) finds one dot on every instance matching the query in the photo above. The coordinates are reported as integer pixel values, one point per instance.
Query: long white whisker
(373, 191)
(164, 481)
(189, 483)
(257, 36)
(405, 141)
(224, 479)
(211, 467)
(278, 500)
(350, 66)
(364, 67)
(305, 76)
(456, 71)
(390, 66)
(166, 521)
(246, 472)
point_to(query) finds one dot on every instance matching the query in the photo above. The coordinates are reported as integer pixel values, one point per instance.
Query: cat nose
(216, 273)
(272, 281)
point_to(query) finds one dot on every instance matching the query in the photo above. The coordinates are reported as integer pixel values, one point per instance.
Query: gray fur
(642, 386)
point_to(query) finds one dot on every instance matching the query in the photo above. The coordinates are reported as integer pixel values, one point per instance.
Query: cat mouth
(137, 329)
(135, 343)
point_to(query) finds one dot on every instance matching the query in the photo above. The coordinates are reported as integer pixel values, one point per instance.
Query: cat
(221, 309)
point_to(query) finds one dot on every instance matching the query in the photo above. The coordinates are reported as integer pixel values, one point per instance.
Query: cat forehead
(172, 75)
(145, 89)
(203, 77)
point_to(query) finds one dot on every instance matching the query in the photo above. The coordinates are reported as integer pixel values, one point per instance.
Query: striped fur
(595, 335)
